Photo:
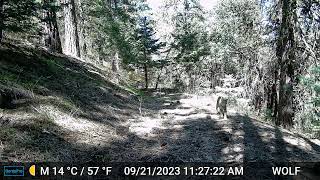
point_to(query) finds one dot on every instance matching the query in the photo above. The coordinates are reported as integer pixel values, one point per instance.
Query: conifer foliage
(271, 48)
(16, 15)
(148, 45)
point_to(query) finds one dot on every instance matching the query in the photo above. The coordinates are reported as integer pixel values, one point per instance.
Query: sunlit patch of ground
(184, 128)
(81, 130)
(48, 132)
(191, 130)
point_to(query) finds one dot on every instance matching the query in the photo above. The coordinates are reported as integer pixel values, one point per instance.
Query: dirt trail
(76, 114)
(186, 128)
(171, 128)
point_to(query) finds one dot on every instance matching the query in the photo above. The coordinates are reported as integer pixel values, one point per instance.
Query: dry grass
(73, 114)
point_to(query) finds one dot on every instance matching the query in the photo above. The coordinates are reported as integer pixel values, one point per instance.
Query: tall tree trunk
(157, 81)
(274, 95)
(145, 68)
(268, 96)
(56, 36)
(115, 62)
(55, 32)
(83, 38)
(71, 41)
(51, 32)
(286, 57)
(100, 53)
(159, 76)
(1, 19)
(213, 75)
(146, 75)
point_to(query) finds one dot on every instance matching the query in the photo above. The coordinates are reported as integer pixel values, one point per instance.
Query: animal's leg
(225, 116)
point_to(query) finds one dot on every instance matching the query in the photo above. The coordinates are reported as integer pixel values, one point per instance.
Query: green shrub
(310, 117)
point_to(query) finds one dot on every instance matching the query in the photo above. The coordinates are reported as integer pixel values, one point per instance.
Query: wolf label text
(285, 171)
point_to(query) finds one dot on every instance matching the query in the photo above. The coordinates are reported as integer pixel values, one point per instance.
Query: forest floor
(69, 112)
(187, 128)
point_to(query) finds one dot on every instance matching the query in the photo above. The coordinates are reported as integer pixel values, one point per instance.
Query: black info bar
(162, 170)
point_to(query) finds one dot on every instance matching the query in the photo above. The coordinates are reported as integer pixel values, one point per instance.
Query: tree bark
(159, 76)
(71, 41)
(55, 33)
(274, 95)
(83, 38)
(56, 36)
(145, 68)
(51, 32)
(1, 19)
(213, 75)
(146, 75)
(100, 53)
(157, 81)
(115, 62)
(268, 95)
(286, 57)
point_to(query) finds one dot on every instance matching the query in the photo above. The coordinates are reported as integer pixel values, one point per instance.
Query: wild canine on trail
(221, 106)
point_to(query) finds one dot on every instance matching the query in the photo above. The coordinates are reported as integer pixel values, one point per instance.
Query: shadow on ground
(205, 139)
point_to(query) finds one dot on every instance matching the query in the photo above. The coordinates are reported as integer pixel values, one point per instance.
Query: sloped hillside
(53, 107)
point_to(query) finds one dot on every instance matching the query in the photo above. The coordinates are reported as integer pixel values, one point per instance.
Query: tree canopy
(271, 48)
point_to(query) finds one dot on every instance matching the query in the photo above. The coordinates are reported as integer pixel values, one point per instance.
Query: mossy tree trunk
(286, 58)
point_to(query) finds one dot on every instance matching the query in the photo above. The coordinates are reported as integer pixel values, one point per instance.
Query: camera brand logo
(13, 171)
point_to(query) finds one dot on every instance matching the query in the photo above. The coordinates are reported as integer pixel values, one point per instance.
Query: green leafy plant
(311, 117)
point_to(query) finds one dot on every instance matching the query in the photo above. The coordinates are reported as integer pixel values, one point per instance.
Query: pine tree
(188, 33)
(15, 15)
(189, 38)
(147, 46)
(113, 35)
